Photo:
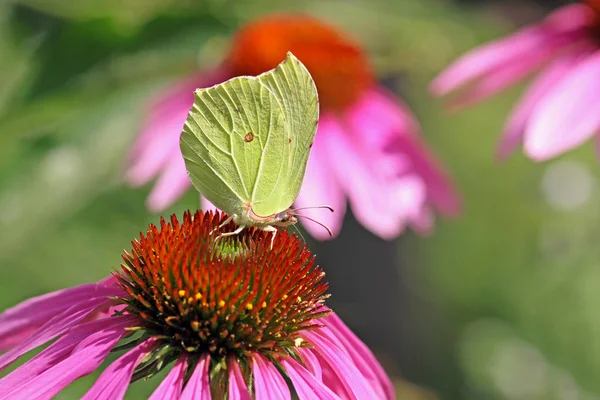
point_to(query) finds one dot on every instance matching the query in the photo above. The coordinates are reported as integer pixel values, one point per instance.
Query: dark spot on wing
(249, 137)
(310, 145)
(289, 140)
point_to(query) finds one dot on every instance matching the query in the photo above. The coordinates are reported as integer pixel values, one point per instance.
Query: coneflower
(234, 317)
(367, 152)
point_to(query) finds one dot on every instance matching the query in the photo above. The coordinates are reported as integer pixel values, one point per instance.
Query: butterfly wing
(295, 90)
(238, 141)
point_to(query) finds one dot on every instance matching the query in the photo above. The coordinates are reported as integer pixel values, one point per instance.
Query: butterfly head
(285, 218)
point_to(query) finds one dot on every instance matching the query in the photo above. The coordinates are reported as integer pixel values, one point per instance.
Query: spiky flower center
(337, 64)
(227, 296)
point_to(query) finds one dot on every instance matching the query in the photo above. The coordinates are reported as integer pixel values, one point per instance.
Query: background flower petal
(568, 115)
(544, 82)
(321, 188)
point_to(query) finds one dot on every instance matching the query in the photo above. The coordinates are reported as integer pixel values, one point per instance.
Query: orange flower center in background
(337, 64)
(594, 4)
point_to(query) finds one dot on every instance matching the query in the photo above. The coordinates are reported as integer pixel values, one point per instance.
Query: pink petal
(311, 362)
(495, 81)
(574, 18)
(482, 60)
(164, 104)
(32, 313)
(568, 115)
(379, 117)
(306, 385)
(320, 188)
(198, 387)
(171, 386)
(268, 382)
(440, 190)
(114, 381)
(160, 136)
(76, 354)
(159, 148)
(172, 183)
(563, 27)
(361, 355)
(547, 79)
(369, 193)
(350, 376)
(237, 386)
(59, 324)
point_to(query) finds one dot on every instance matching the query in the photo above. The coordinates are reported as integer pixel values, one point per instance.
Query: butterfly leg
(228, 220)
(270, 228)
(238, 230)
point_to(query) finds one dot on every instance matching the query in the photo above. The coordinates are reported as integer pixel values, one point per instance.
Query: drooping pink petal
(546, 80)
(440, 190)
(57, 325)
(171, 386)
(381, 123)
(175, 98)
(369, 193)
(349, 375)
(114, 381)
(306, 385)
(311, 362)
(378, 118)
(410, 195)
(160, 136)
(568, 115)
(198, 386)
(27, 316)
(76, 354)
(268, 382)
(237, 386)
(158, 149)
(172, 183)
(359, 352)
(321, 188)
(333, 381)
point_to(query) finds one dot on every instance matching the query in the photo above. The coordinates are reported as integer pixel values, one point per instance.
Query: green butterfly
(246, 144)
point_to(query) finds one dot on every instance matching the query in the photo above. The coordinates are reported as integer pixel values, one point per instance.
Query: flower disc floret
(202, 293)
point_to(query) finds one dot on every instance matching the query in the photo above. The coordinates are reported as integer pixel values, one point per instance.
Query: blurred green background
(500, 303)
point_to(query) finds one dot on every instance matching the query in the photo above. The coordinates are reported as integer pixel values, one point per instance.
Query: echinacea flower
(231, 317)
(367, 148)
(560, 109)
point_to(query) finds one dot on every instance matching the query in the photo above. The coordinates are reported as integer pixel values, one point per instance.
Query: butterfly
(246, 144)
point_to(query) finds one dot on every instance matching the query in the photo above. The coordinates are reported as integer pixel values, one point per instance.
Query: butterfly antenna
(300, 233)
(317, 222)
(308, 208)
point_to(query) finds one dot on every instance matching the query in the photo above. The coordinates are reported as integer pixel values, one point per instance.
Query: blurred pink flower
(561, 108)
(367, 148)
(227, 324)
